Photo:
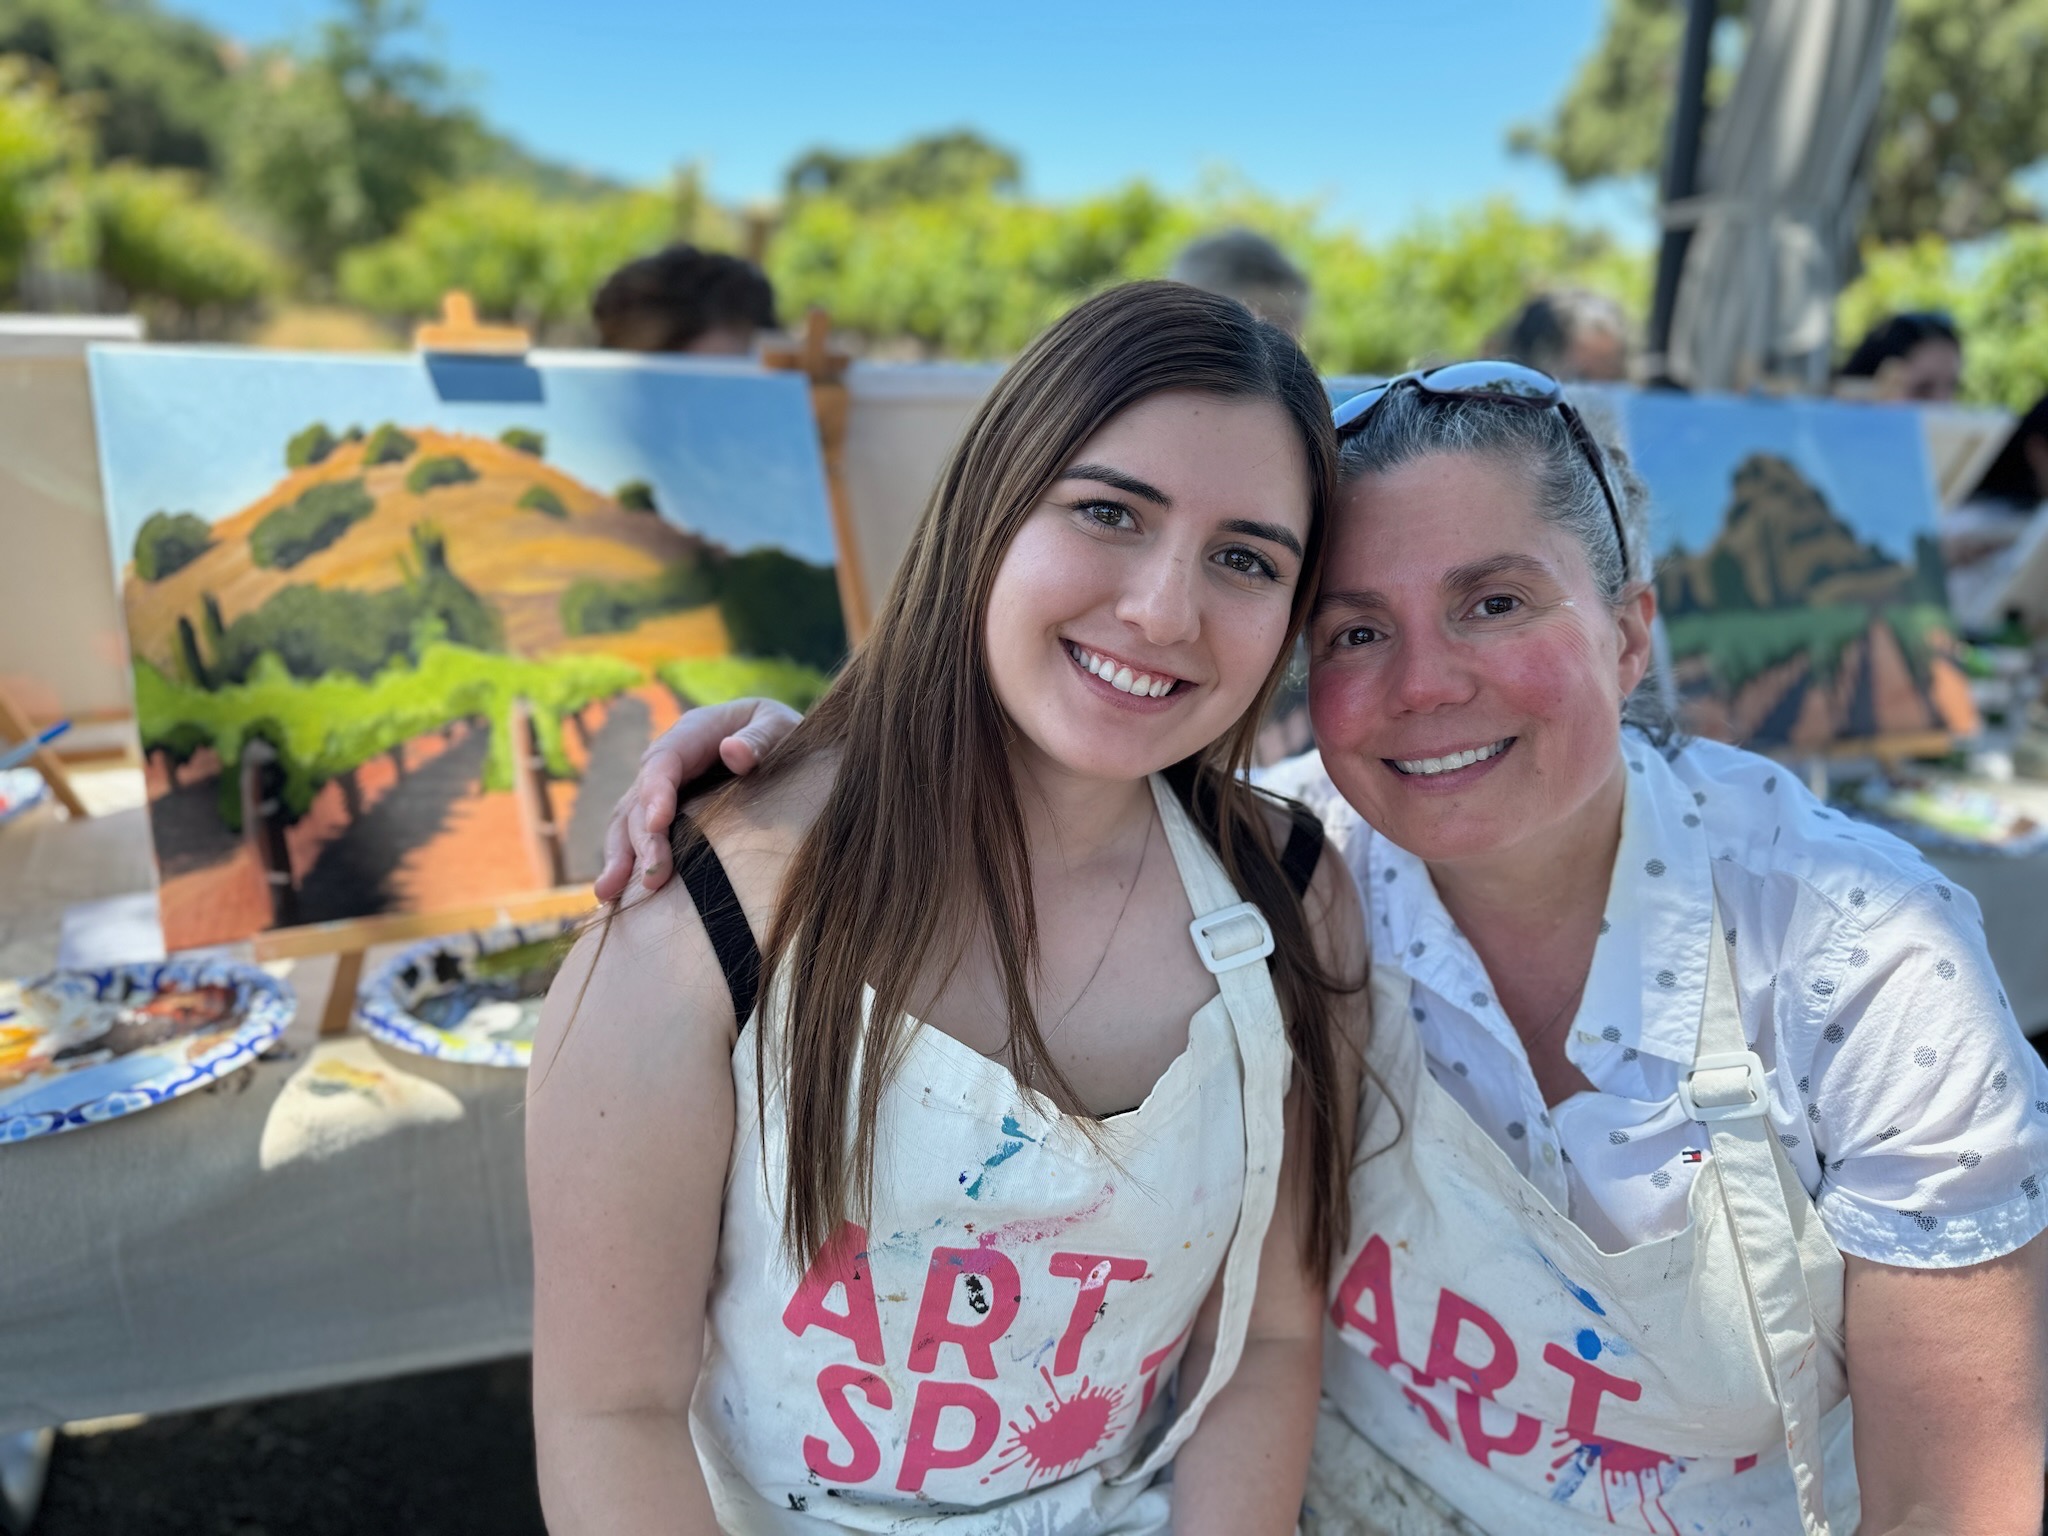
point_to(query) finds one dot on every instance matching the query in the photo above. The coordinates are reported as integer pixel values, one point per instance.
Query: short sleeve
(1928, 1107)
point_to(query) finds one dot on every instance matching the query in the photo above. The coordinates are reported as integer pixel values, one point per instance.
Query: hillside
(519, 560)
(1782, 546)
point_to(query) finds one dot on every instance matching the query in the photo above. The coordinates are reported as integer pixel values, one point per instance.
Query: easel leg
(341, 996)
(15, 724)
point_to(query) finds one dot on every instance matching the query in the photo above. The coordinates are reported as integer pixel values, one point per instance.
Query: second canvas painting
(400, 628)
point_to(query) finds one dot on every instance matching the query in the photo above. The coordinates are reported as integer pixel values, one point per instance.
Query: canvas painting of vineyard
(1798, 572)
(400, 632)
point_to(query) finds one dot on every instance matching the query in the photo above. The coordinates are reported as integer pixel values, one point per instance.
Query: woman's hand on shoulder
(737, 735)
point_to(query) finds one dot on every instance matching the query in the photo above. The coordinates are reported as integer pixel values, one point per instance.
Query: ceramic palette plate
(473, 997)
(20, 788)
(82, 1046)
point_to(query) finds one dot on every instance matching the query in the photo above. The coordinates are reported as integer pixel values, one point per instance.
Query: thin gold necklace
(1144, 852)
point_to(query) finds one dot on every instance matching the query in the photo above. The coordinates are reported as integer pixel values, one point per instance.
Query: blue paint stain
(1001, 1155)
(1012, 1129)
(1589, 1344)
(1580, 1294)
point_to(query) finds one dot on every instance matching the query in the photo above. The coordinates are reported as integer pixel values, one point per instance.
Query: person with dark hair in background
(1251, 269)
(1912, 356)
(1571, 334)
(684, 300)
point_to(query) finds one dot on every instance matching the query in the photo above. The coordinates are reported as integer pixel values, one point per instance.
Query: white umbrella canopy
(1782, 192)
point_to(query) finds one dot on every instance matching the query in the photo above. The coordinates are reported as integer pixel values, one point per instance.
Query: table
(336, 1213)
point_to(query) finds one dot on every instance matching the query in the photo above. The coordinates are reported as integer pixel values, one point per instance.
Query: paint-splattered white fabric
(995, 1351)
(1904, 1095)
(1541, 1385)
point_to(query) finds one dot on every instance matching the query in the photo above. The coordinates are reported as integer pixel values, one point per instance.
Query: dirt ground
(447, 1454)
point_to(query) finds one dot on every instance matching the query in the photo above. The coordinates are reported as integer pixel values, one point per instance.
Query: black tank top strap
(725, 921)
(1304, 848)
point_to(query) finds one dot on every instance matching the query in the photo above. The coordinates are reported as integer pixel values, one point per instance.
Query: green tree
(168, 542)
(525, 440)
(158, 83)
(37, 137)
(322, 514)
(935, 168)
(388, 445)
(1960, 117)
(160, 240)
(516, 252)
(538, 498)
(438, 470)
(339, 143)
(309, 446)
(635, 496)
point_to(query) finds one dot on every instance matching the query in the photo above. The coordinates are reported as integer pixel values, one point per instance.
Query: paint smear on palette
(1035, 1229)
(1580, 1294)
(1624, 1470)
(1058, 1441)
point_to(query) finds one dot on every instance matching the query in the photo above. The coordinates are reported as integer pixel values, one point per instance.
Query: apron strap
(1232, 937)
(1726, 1091)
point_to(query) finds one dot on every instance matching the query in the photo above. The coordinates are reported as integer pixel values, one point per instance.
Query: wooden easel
(830, 403)
(15, 727)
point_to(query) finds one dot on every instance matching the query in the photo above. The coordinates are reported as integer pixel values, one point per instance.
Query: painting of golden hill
(401, 627)
(1798, 573)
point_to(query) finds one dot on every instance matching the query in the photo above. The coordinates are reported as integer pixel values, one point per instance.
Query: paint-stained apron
(995, 1351)
(1490, 1369)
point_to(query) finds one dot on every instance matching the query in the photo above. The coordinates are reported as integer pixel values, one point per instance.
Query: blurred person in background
(1981, 539)
(685, 300)
(1572, 335)
(1916, 356)
(1251, 269)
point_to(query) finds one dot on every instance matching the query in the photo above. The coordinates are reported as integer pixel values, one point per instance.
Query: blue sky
(200, 430)
(1383, 108)
(1687, 448)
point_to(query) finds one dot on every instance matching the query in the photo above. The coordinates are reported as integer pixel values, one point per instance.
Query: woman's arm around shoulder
(1244, 1469)
(629, 1128)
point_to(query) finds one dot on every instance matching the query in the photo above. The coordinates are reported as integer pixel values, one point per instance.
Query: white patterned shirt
(1905, 1095)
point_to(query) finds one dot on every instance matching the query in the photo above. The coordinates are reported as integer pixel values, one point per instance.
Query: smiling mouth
(1121, 675)
(1429, 767)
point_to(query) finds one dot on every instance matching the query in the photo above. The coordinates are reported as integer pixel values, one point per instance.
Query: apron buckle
(1243, 930)
(1711, 1091)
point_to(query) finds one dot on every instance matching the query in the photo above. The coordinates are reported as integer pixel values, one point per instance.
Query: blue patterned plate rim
(385, 1005)
(45, 1103)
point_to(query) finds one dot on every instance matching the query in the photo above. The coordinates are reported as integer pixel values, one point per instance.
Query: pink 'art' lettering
(842, 1263)
(1095, 1271)
(993, 1293)
(1371, 1274)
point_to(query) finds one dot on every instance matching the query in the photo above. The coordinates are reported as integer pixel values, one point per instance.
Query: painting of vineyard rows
(400, 631)
(1798, 572)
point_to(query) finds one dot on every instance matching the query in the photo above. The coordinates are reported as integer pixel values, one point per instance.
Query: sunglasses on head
(1497, 383)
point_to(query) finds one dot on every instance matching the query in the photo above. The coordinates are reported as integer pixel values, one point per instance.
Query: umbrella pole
(1681, 175)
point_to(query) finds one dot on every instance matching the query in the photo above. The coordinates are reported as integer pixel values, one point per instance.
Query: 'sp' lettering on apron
(1489, 1369)
(994, 1352)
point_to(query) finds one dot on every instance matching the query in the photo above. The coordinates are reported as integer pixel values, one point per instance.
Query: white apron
(995, 1351)
(1534, 1384)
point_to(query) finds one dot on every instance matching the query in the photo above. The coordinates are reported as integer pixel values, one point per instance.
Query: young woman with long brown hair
(983, 1213)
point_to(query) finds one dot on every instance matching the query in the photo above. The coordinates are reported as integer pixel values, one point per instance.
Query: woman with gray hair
(1696, 1111)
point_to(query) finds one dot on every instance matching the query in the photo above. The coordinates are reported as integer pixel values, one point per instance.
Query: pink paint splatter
(1037, 1229)
(1060, 1441)
(1619, 1464)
